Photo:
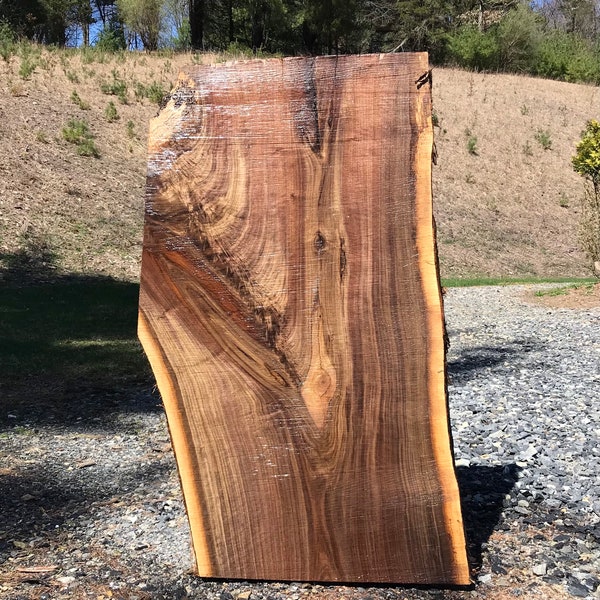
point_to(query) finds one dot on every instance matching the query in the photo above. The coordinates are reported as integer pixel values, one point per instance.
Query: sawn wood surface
(291, 311)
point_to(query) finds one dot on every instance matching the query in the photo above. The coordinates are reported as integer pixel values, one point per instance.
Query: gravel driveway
(92, 509)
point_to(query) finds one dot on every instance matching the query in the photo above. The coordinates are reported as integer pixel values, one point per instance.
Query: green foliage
(110, 112)
(588, 288)
(473, 49)
(117, 87)
(520, 42)
(154, 92)
(482, 280)
(131, 134)
(143, 17)
(111, 39)
(471, 143)
(87, 148)
(71, 76)
(7, 41)
(567, 57)
(76, 99)
(586, 162)
(77, 132)
(27, 68)
(518, 36)
(542, 137)
(182, 40)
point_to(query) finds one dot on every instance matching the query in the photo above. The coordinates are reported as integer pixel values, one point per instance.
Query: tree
(23, 17)
(330, 26)
(144, 18)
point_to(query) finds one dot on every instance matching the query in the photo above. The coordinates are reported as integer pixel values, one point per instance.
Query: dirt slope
(513, 207)
(510, 209)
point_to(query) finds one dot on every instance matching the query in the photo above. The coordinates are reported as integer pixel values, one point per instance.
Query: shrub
(473, 49)
(471, 143)
(76, 99)
(586, 162)
(542, 136)
(71, 76)
(87, 148)
(567, 57)
(110, 113)
(131, 130)
(154, 92)
(117, 87)
(77, 132)
(27, 67)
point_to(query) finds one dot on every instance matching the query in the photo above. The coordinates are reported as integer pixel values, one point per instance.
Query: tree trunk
(291, 310)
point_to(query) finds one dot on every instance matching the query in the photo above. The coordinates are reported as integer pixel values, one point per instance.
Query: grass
(481, 281)
(67, 339)
(561, 291)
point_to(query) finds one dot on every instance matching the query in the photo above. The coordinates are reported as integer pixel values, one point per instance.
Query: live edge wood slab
(291, 310)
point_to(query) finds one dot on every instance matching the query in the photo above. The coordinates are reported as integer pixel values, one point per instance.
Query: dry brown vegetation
(505, 205)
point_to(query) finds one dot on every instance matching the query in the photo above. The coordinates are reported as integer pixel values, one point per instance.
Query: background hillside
(505, 196)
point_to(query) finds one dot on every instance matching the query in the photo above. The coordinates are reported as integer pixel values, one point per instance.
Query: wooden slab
(291, 311)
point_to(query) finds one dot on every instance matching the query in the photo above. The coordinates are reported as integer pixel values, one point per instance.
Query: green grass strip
(480, 281)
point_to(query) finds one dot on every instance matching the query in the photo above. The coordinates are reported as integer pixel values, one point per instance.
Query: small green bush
(117, 87)
(71, 76)
(76, 99)
(471, 142)
(110, 113)
(154, 92)
(28, 66)
(131, 134)
(77, 132)
(87, 148)
(542, 137)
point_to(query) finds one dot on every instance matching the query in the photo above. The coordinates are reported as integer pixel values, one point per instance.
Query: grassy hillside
(505, 206)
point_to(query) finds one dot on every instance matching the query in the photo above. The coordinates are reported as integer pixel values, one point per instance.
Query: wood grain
(291, 310)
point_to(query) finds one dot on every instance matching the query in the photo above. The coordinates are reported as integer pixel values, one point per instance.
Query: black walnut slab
(291, 310)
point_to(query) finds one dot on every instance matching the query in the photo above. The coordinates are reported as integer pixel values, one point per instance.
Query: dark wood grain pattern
(291, 311)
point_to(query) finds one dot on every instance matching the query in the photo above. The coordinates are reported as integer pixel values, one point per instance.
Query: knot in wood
(320, 243)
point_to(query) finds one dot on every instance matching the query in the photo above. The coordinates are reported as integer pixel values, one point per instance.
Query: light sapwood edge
(181, 446)
(438, 417)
